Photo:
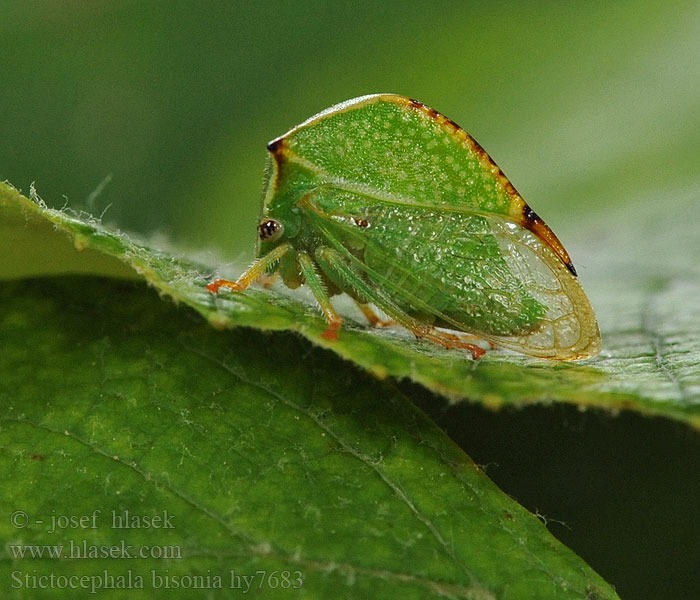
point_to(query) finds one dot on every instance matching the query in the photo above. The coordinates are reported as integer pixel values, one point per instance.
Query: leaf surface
(114, 401)
(646, 301)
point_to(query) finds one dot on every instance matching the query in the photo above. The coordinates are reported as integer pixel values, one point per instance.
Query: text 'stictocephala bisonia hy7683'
(389, 201)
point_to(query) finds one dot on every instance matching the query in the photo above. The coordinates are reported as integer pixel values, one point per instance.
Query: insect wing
(473, 272)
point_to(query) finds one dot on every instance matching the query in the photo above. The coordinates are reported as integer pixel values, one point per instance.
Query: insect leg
(257, 269)
(468, 336)
(316, 286)
(330, 260)
(372, 317)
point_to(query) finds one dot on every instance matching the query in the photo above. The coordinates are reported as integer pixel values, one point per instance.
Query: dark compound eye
(269, 230)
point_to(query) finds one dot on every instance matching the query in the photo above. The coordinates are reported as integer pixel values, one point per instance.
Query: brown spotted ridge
(532, 221)
(439, 117)
(521, 213)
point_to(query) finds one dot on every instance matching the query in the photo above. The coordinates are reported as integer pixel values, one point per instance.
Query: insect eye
(269, 230)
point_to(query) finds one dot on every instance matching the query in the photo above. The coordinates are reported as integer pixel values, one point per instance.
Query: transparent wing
(478, 273)
(569, 329)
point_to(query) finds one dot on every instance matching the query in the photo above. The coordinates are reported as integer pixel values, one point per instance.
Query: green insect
(389, 201)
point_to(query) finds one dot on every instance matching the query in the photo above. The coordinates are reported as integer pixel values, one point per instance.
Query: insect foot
(214, 286)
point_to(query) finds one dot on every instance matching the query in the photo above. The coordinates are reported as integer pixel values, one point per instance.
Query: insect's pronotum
(389, 201)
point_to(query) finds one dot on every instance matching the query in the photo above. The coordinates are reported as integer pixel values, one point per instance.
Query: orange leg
(372, 317)
(448, 340)
(470, 336)
(314, 282)
(258, 268)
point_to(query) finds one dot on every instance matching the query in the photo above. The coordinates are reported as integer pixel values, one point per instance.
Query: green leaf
(115, 401)
(644, 290)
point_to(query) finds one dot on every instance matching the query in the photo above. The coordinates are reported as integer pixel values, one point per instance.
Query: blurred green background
(587, 107)
(581, 104)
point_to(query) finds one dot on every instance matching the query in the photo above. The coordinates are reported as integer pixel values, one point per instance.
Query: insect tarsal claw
(331, 333)
(214, 286)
